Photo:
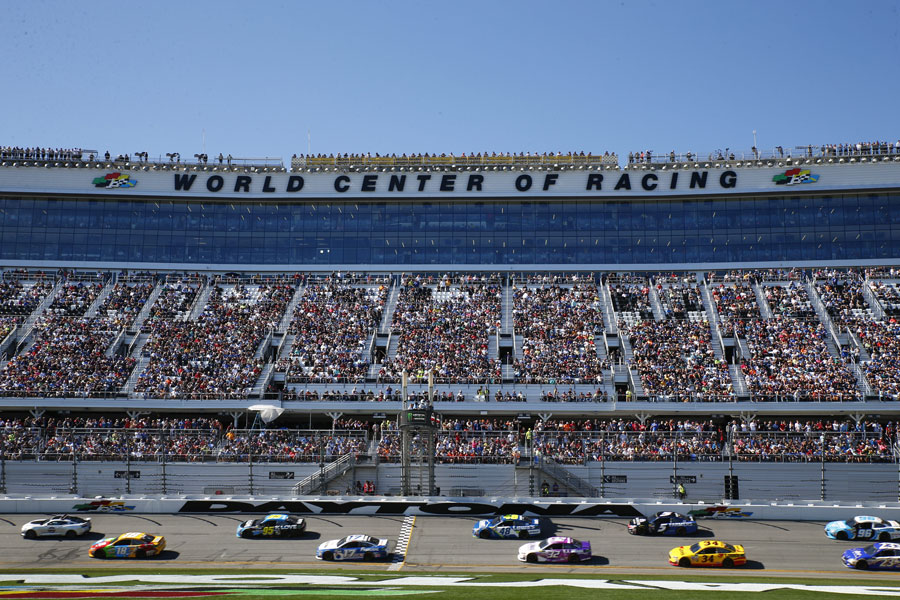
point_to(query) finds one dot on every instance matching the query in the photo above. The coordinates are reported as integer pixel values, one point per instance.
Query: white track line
(402, 544)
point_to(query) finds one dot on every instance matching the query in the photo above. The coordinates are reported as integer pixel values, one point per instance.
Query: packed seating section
(459, 440)
(788, 335)
(560, 326)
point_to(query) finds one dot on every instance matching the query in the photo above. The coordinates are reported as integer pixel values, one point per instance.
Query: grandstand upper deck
(320, 340)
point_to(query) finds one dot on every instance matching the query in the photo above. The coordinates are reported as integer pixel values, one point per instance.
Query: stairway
(148, 306)
(738, 382)
(320, 479)
(390, 306)
(713, 317)
(659, 312)
(200, 302)
(552, 470)
(262, 382)
(94, 308)
(139, 368)
(285, 322)
(764, 308)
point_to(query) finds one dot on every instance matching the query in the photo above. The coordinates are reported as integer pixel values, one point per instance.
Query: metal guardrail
(327, 473)
(444, 160)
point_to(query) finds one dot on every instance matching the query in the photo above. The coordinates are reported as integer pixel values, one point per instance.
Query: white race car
(353, 547)
(57, 525)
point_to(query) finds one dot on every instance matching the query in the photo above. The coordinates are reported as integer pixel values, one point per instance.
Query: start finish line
(247, 582)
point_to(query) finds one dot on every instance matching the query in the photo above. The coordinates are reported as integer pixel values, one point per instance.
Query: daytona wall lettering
(402, 508)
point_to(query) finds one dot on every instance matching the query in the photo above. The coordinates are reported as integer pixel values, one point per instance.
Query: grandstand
(568, 318)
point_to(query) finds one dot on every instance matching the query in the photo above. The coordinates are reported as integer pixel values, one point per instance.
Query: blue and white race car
(663, 523)
(507, 526)
(863, 528)
(274, 525)
(874, 556)
(353, 547)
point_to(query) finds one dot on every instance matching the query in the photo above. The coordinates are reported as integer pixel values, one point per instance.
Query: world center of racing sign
(632, 183)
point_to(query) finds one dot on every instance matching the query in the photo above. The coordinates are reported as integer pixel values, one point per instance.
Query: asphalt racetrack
(436, 545)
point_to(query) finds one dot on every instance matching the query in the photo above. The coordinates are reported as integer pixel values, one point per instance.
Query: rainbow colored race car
(882, 556)
(129, 545)
(507, 526)
(708, 553)
(556, 549)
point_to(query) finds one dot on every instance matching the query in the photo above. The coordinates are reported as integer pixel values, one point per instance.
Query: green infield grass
(249, 584)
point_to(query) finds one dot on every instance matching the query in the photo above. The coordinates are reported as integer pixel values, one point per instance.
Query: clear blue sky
(459, 76)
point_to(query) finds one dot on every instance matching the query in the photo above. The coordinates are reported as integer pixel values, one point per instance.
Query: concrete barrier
(373, 505)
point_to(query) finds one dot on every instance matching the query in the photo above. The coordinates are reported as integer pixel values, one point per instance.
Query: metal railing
(444, 160)
(60, 444)
(327, 473)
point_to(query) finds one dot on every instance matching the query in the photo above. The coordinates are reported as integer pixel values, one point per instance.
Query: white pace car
(57, 525)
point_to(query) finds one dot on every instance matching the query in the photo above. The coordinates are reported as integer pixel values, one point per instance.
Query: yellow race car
(708, 553)
(129, 545)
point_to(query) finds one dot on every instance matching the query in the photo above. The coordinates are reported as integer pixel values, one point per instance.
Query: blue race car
(863, 528)
(353, 547)
(883, 555)
(274, 525)
(663, 523)
(507, 526)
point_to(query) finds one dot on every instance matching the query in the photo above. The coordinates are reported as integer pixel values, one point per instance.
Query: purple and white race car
(556, 549)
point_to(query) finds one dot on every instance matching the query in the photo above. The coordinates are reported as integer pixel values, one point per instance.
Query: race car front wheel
(862, 565)
(328, 556)
(841, 535)
(532, 558)
(485, 534)
(30, 534)
(684, 562)
(246, 534)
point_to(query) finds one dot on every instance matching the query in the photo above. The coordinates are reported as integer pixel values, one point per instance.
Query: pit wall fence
(703, 481)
